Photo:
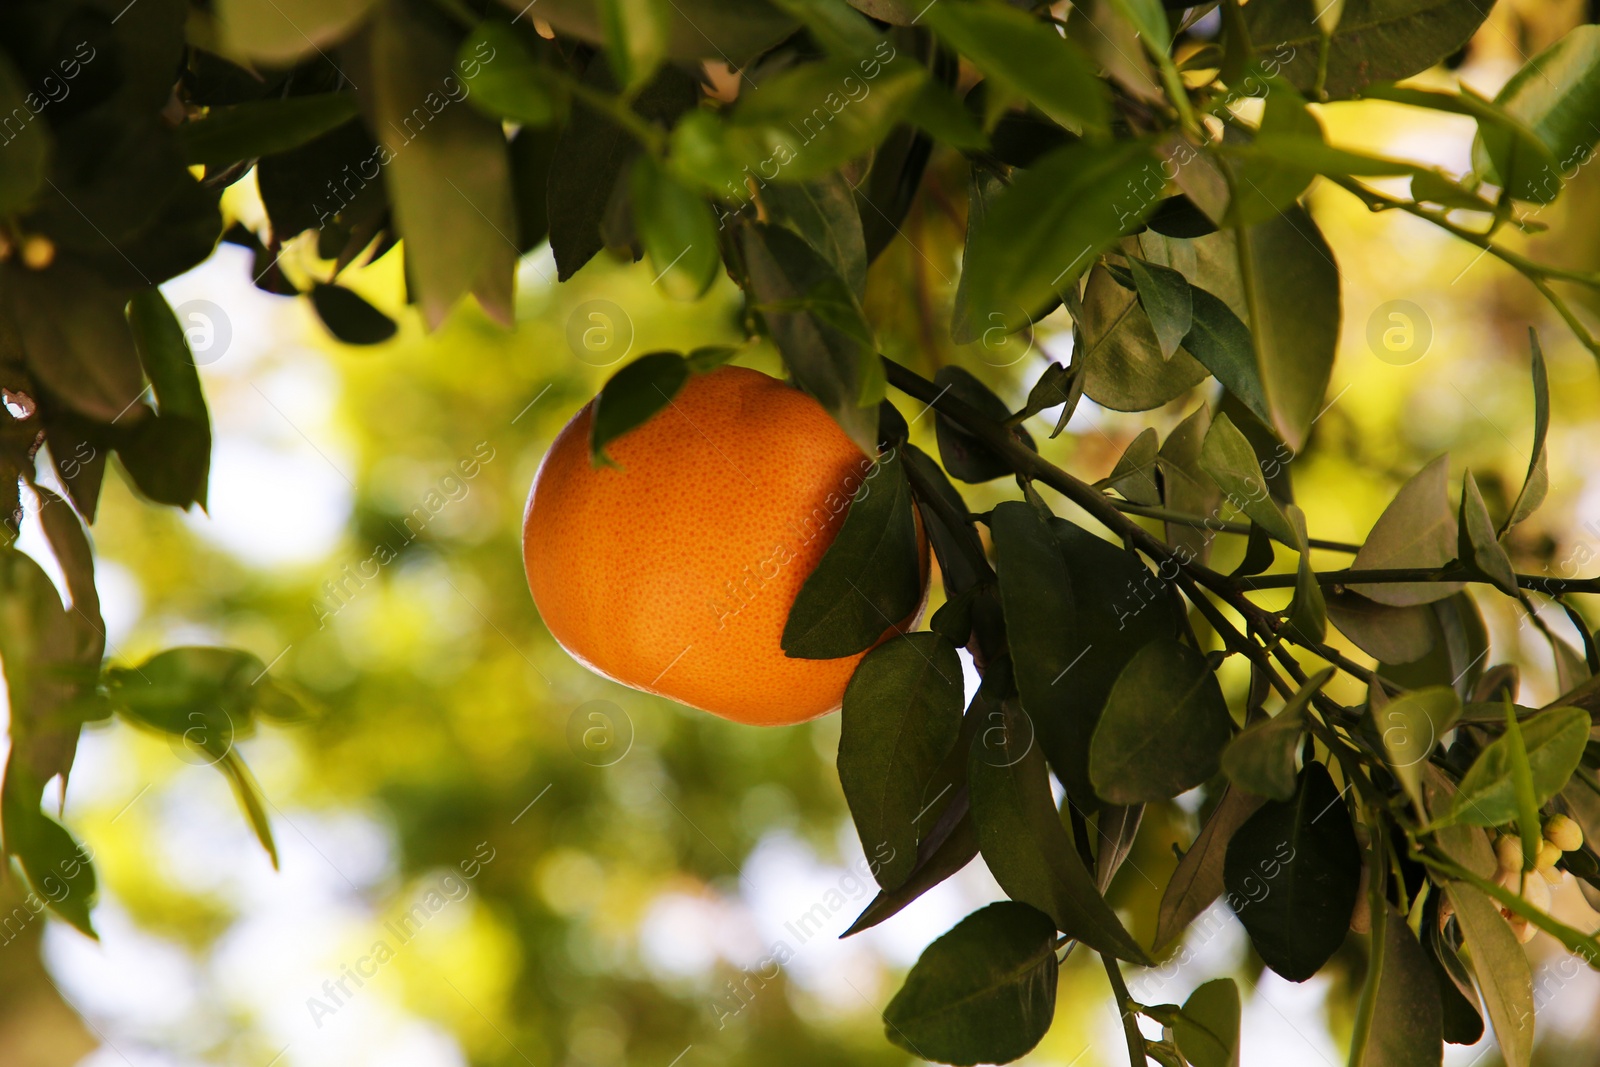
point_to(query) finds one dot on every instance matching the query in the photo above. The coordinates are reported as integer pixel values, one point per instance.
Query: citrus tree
(1138, 173)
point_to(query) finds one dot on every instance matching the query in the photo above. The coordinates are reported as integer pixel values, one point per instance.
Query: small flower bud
(1508, 850)
(1564, 833)
(1551, 874)
(1549, 854)
(38, 252)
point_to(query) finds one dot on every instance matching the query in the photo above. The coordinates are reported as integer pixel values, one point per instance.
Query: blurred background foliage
(630, 913)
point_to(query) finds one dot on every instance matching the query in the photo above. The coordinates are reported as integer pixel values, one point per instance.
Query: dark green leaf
(1261, 760)
(824, 212)
(263, 127)
(677, 230)
(1043, 233)
(868, 580)
(902, 711)
(1417, 529)
(1308, 614)
(1026, 847)
(26, 145)
(286, 30)
(251, 802)
(1487, 796)
(1537, 482)
(1221, 341)
(818, 325)
(1476, 543)
(1028, 57)
(349, 317)
(1376, 40)
(1163, 729)
(593, 154)
(169, 455)
(1053, 388)
(1460, 643)
(1407, 1027)
(207, 696)
(1410, 726)
(1292, 293)
(938, 857)
(633, 396)
(1197, 881)
(1164, 294)
(1502, 970)
(985, 992)
(1121, 357)
(1232, 464)
(1185, 487)
(1509, 151)
(1292, 874)
(75, 335)
(1206, 1030)
(503, 78)
(1458, 1000)
(963, 455)
(1268, 175)
(1134, 476)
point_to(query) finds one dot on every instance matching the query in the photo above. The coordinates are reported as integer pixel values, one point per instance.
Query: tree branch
(1417, 575)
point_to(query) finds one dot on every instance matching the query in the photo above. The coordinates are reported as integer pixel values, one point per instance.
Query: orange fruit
(675, 573)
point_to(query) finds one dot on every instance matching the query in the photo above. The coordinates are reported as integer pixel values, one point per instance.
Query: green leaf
(26, 145)
(1044, 232)
(1461, 1008)
(1024, 844)
(251, 801)
(1308, 613)
(902, 712)
(1026, 57)
(1387, 634)
(284, 31)
(868, 580)
(1206, 1030)
(1165, 296)
(169, 456)
(1292, 293)
(1261, 759)
(816, 117)
(1407, 1026)
(1262, 181)
(963, 455)
(1487, 796)
(1164, 726)
(1502, 970)
(1410, 726)
(939, 855)
(1376, 40)
(1477, 545)
(1134, 476)
(74, 331)
(1537, 482)
(1460, 644)
(633, 396)
(1221, 341)
(207, 696)
(449, 180)
(1528, 824)
(818, 325)
(1515, 155)
(1197, 880)
(1228, 458)
(824, 213)
(1417, 529)
(985, 992)
(1185, 487)
(59, 869)
(636, 34)
(262, 127)
(504, 80)
(677, 230)
(1557, 94)
(1123, 368)
(349, 317)
(1292, 873)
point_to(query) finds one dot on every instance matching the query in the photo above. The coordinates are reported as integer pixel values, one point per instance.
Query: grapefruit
(674, 571)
